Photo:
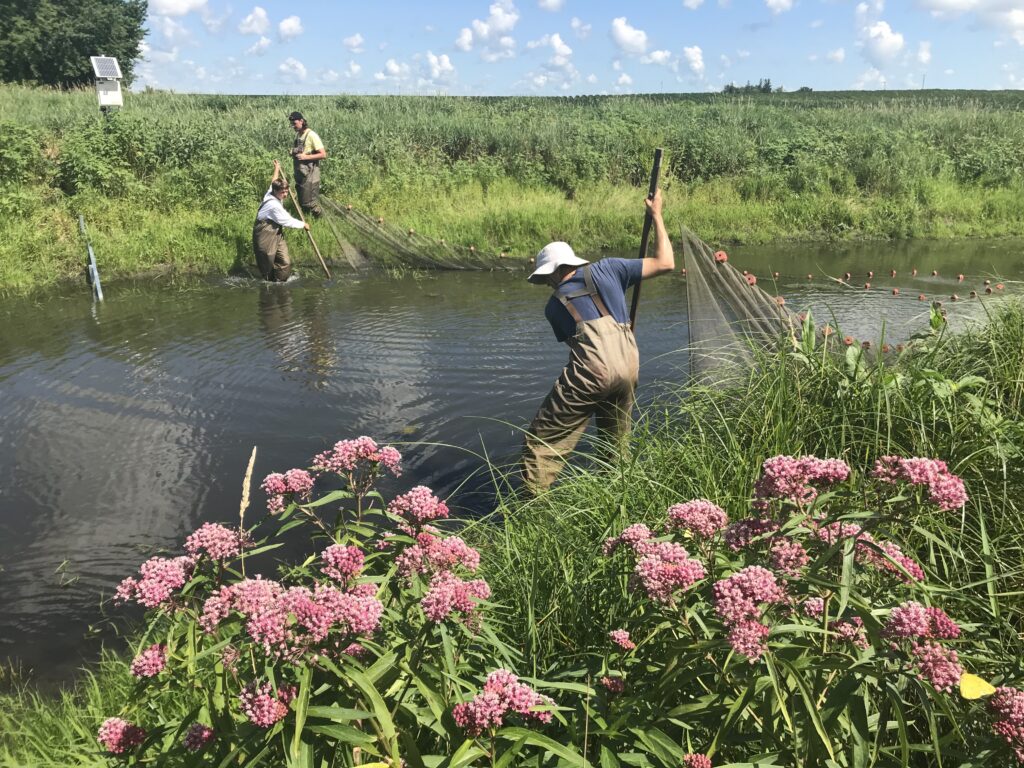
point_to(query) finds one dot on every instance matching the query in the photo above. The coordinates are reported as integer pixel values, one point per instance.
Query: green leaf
(337, 714)
(301, 705)
(381, 716)
(810, 706)
(545, 742)
(344, 734)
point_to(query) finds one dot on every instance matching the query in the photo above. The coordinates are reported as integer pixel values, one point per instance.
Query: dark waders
(307, 178)
(271, 251)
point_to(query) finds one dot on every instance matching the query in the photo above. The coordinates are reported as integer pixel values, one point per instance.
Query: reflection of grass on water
(171, 182)
(960, 398)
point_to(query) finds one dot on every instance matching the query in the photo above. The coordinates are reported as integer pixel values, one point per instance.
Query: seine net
(726, 316)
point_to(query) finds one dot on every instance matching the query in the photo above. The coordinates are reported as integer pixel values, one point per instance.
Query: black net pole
(646, 236)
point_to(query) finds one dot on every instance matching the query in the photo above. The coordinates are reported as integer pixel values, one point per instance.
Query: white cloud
(813, 57)
(393, 71)
(551, 5)
(693, 5)
(657, 57)
(881, 43)
(441, 67)
(628, 39)
(353, 69)
(354, 43)
(329, 76)
(695, 60)
(871, 78)
(741, 54)
(779, 6)
(491, 32)
(624, 79)
(949, 71)
(292, 70)
(726, 61)
(591, 78)
(556, 43)
(817, 24)
(616, 65)
(290, 28)
(259, 47)
(924, 52)
(581, 28)
(838, 55)
(175, 7)
(157, 55)
(256, 23)
(170, 29)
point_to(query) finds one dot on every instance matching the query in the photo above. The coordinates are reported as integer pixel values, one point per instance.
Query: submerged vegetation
(819, 564)
(171, 182)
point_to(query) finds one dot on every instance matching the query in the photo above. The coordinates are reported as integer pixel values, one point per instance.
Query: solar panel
(105, 66)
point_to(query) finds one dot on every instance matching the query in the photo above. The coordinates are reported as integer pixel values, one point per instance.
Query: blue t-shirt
(611, 278)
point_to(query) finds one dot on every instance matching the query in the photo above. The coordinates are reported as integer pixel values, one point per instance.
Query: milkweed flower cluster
(1007, 708)
(118, 736)
(852, 631)
(937, 664)
(295, 482)
(418, 507)
(432, 554)
(945, 489)
(621, 638)
(911, 621)
(264, 706)
(742, 534)
(502, 694)
(448, 595)
(662, 567)
(700, 517)
(614, 685)
(216, 541)
(150, 662)
(697, 761)
(286, 622)
(788, 556)
(197, 737)
(738, 602)
(630, 537)
(159, 578)
(342, 563)
(793, 478)
(363, 453)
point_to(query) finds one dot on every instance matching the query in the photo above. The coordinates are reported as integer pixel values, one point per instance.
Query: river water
(127, 424)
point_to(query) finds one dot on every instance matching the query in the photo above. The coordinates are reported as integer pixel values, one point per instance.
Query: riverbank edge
(43, 249)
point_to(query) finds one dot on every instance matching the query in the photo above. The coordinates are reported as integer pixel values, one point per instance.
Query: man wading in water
(588, 311)
(268, 243)
(307, 153)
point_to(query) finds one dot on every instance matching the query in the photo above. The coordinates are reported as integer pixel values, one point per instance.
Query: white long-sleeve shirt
(272, 210)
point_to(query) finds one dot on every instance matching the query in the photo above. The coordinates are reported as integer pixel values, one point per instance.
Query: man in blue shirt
(588, 312)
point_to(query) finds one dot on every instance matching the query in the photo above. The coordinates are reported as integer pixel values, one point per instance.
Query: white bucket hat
(551, 257)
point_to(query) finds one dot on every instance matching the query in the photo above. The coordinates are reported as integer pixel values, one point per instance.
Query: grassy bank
(171, 182)
(959, 398)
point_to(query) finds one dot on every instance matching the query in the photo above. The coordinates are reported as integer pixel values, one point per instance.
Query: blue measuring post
(92, 274)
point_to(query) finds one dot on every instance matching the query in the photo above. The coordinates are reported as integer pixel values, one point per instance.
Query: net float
(745, 273)
(999, 286)
(988, 282)
(974, 294)
(871, 273)
(935, 273)
(380, 219)
(913, 272)
(775, 275)
(921, 297)
(721, 257)
(827, 331)
(682, 271)
(899, 347)
(866, 286)
(886, 348)
(954, 297)
(348, 207)
(846, 276)
(865, 345)
(848, 341)
(895, 291)
(892, 273)
(751, 280)
(810, 277)
(780, 301)
(959, 278)
(412, 231)
(472, 247)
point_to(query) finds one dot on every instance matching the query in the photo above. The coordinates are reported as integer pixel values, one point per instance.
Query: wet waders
(271, 251)
(599, 380)
(307, 178)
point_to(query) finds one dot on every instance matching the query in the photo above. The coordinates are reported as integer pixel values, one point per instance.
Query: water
(127, 424)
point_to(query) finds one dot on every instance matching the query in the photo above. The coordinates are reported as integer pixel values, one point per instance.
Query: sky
(569, 47)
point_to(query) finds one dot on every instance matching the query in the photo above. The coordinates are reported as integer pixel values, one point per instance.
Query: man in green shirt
(307, 153)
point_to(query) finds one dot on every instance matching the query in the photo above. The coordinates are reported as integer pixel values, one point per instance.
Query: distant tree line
(49, 42)
(764, 85)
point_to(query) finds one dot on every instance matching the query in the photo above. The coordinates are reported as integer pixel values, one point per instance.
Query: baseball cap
(296, 116)
(551, 257)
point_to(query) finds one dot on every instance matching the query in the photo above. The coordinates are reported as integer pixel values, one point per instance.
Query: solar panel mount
(106, 67)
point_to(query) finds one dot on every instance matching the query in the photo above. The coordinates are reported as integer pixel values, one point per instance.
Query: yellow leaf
(973, 687)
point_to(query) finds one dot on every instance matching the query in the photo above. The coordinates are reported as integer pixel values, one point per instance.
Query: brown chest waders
(599, 380)
(307, 177)
(271, 250)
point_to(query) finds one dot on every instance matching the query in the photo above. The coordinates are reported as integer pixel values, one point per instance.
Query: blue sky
(550, 47)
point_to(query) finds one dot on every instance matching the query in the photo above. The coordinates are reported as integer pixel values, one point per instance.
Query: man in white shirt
(268, 231)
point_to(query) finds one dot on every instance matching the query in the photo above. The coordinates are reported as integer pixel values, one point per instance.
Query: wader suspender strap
(589, 290)
(274, 224)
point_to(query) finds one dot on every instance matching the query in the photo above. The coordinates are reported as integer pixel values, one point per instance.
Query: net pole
(646, 235)
(298, 209)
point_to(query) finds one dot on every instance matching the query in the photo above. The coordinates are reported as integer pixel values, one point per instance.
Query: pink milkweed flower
(295, 482)
(742, 533)
(749, 638)
(448, 594)
(1007, 707)
(614, 685)
(788, 556)
(699, 516)
(739, 597)
(621, 638)
(262, 706)
(907, 621)
(631, 537)
(938, 665)
(814, 607)
(159, 578)
(793, 478)
(945, 489)
(197, 737)
(696, 761)
(363, 453)
(342, 563)
(119, 736)
(432, 554)
(664, 568)
(150, 662)
(418, 507)
(218, 542)
(852, 631)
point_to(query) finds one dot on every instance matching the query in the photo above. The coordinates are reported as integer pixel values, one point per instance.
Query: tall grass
(957, 398)
(172, 180)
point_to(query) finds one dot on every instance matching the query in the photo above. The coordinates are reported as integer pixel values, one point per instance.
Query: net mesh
(726, 316)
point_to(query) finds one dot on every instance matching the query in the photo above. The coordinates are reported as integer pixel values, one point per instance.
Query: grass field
(171, 182)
